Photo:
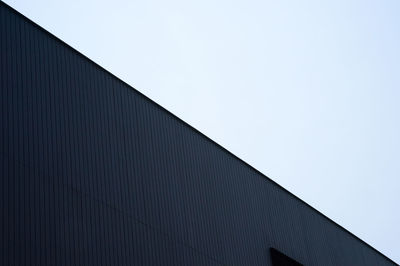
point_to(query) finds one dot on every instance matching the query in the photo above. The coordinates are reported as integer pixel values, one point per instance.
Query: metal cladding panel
(94, 173)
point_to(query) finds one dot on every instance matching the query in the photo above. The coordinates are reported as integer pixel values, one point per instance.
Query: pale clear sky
(307, 92)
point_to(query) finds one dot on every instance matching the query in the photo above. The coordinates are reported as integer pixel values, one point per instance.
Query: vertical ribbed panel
(94, 173)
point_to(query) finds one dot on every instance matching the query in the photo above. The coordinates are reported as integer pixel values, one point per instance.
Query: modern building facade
(94, 173)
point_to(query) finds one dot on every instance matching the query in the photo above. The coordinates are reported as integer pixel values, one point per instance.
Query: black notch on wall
(280, 259)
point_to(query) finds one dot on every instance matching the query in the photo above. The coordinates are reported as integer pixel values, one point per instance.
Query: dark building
(94, 173)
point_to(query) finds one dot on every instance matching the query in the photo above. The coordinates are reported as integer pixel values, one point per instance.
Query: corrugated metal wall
(94, 173)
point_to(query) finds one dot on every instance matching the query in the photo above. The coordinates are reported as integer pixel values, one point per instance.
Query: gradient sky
(307, 92)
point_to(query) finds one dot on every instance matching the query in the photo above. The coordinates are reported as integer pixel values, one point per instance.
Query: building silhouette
(95, 173)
